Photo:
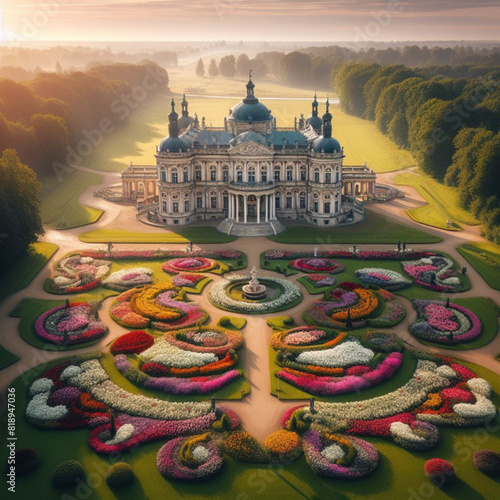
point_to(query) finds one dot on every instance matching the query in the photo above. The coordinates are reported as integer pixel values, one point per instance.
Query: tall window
(327, 207)
(263, 176)
(199, 202)
(186, 206)
(163, 176)
(185, 176)
(251, 176)
(288, 202)
(328, 178)
(175, 177)
(302, 175)
(316, 176)
(225, 175)
(164, 206)
(175, 208)
(213, 175)
(302, 201)
(197, 174)
(225, 202)
(213, 202)
(289, 174)
(315, 207)
(336, 206)
(239, 176)
(277, 175)
(277, 202)
(336, 177)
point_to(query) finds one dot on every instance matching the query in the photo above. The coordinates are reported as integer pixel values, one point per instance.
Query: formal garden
(154, 399)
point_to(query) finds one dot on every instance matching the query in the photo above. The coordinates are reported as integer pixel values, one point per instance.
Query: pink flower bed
(316, 264)
(191, 264)
(304, 337)
(187, 279)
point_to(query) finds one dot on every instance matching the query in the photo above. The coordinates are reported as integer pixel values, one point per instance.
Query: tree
(20, 224)
(200, 68)
(52, 136)
(213, 70)
(227, 66)
(243, 65)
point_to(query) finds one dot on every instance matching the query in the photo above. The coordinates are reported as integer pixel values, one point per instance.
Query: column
(245, 209)
(266, 199)
(273, 206)
(237, 208)
(258, 209)
(230, 207)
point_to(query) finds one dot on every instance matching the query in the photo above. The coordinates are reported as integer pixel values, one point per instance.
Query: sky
(249, 20)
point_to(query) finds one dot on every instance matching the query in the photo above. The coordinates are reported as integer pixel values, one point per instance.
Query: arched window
(163, 175)
(303, 173)
(197, 174)
(277, 174)
(175, 176)
(213, 174)
(263, 174)
(225, 175)
(302, 201)
(289, 174)
(328, 176)
(316, 175)
(251, 175)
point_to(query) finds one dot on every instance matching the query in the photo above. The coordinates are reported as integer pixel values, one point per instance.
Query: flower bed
(345, 254)
(383, 278)
(190, 264)
(129, 278)
(441, 392)
(290, 294)
(76, 324)
(316, 264)
(132, 343)
(190, 459)
(188, 280)
(444, 325)
(161, 254)
(77, 274)
(434, 273)
(352, 306)
(161, 306)
(320, 280)
(337, 366)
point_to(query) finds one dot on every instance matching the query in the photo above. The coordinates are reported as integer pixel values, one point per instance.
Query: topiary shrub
(27, 460)
(488, 462)
(66, 473)
(119, 475)
(288, 321)
(439, 471)
(225, 321)
(243, 447)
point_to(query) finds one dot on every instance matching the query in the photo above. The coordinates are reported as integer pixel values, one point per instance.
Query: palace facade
(250, 174)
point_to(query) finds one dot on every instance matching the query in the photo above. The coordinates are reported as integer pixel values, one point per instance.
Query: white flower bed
(128, 278)
(125, 432)
(347, 353)
(201, 454)
(166, 354)
(218, 295)
(332, 453)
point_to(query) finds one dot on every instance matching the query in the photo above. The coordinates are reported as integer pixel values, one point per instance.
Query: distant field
(443, 202)
(137, 141)
(60, 206)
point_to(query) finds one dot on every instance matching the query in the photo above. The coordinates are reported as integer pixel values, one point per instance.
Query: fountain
(254, 290)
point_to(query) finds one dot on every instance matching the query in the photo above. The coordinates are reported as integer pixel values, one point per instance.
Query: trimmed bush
(439, 471)
(225, 321)
(27, 460)
(488, 462)
(243, 447)
(66, 473)
(288, 321)
(119, 475)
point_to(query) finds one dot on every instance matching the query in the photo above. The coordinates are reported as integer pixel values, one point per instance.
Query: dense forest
(451, 126)
(45, 118)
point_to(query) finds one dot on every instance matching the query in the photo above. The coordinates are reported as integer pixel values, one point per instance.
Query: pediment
(251, 148)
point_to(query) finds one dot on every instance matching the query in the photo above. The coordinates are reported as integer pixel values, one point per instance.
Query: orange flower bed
(283, 442)
(277, 342)
(144, 303)
(367, 303)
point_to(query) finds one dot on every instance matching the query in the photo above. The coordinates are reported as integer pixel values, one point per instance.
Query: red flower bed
(378, 426)
(132, 342)
(439, 471)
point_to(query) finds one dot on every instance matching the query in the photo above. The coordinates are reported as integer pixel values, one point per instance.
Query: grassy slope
(7, 358)
(376, 228)
(21, 274)
(399, 472)
(485, 259)
(443, 202)
(199, 234)
(60, 206)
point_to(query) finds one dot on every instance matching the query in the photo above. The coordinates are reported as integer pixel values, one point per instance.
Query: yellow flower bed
(367, 303)
(283, 442)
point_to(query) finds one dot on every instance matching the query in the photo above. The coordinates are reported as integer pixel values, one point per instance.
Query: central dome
(250, 109)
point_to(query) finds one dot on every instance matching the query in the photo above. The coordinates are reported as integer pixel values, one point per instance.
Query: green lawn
(376, 228)
(488, 313)
(398, 475)
(7, 358)
(442, 202)
(197, 234)
(484, 257)
(22, 273)
(60, 206)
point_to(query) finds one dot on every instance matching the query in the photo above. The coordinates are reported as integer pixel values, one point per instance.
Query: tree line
(315, 67)
(450, 125)
(44, 118)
